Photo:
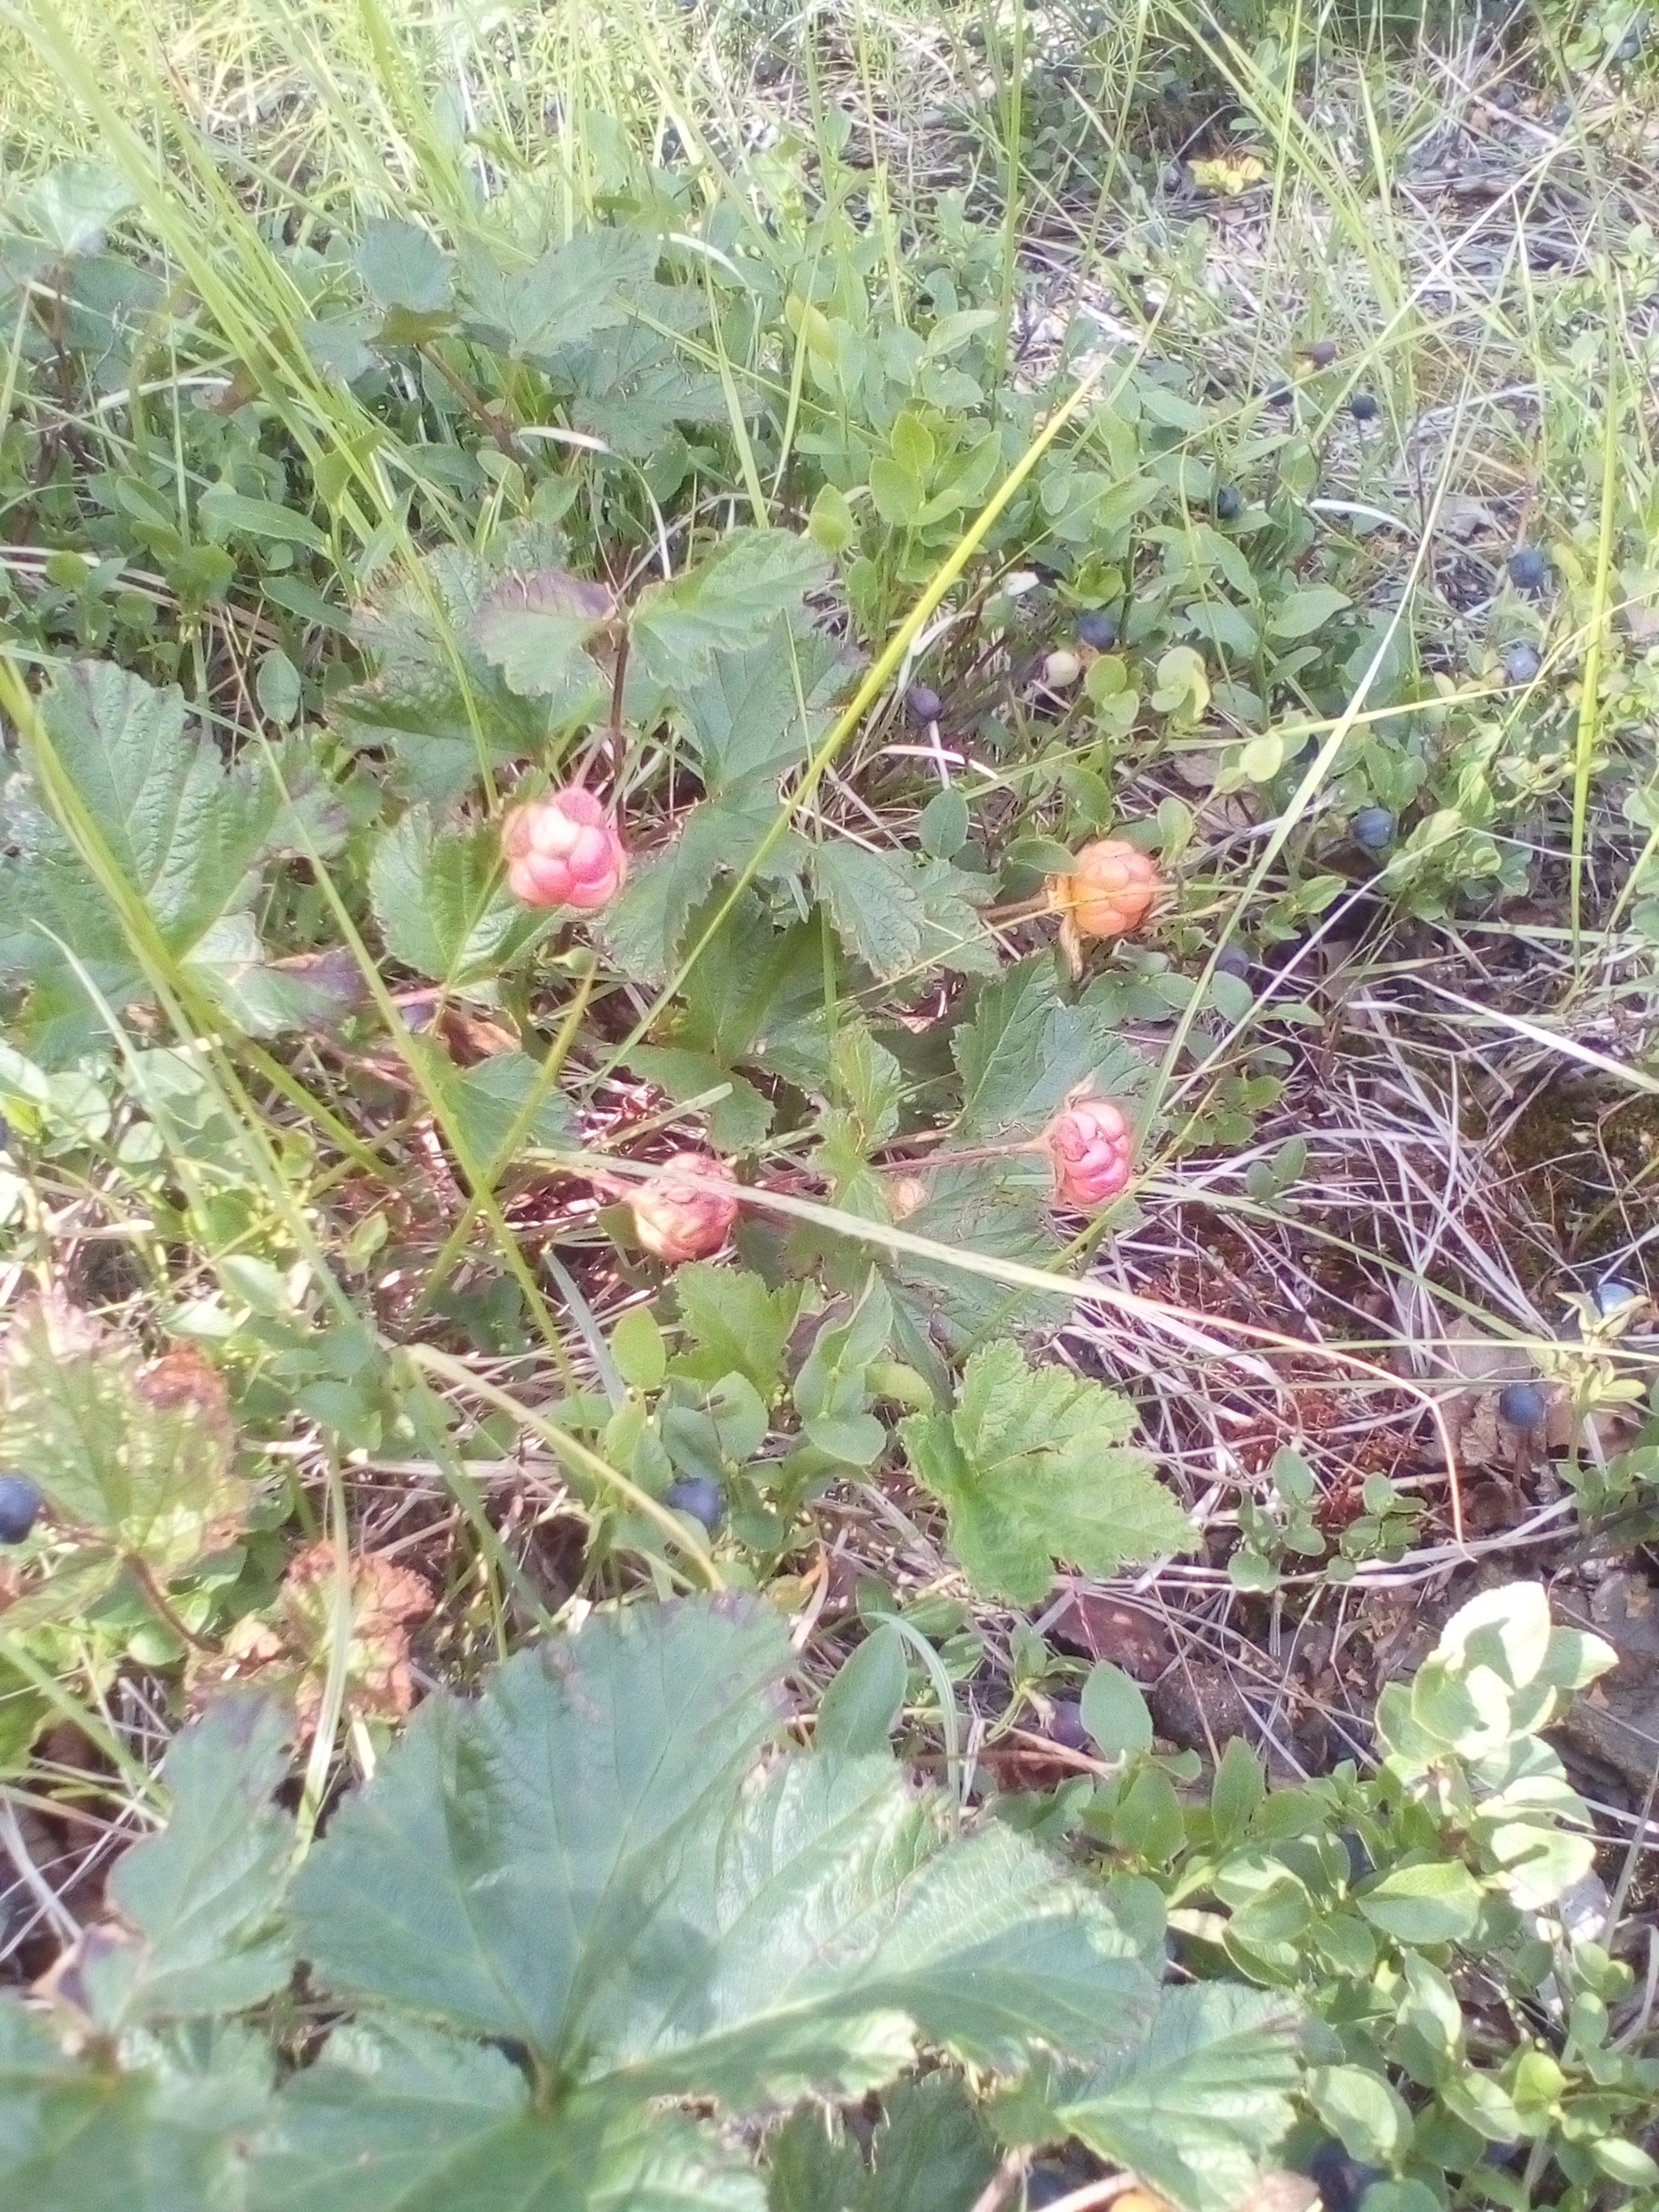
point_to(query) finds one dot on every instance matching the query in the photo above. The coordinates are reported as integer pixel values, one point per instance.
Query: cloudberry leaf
(726, 603)
(1032, 1467)
(440, 903)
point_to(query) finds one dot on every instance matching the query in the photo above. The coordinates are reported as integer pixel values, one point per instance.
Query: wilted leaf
(139, 1455)
(1032, 1467)
(287, 1653)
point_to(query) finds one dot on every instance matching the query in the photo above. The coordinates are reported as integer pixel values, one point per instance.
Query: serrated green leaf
(761, 710)
(737, 1122)
(875, 902)
(537, 313)
(737, 1324)
(931, 2151)
(1031, 1467)
(404, 266)
(188, 833)
(397, 2118)
(442, 907)
(71, 207)
(204, 1895)
(1194, 2110)
(142, 1456)
(693, 1935)
(1025, 1046)
(535, 629)
(727, 603)
(162, 2137)
(488, 1097)
(643, 928)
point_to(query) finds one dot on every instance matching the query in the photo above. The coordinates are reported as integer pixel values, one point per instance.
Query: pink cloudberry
(563, 850)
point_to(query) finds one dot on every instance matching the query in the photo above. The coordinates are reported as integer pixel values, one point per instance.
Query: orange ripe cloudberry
(1107, 891)
(563, 850)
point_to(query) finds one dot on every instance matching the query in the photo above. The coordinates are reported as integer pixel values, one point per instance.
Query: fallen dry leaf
(286, 1650)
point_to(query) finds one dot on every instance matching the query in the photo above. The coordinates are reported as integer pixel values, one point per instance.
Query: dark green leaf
(1194, 2110)
(875, 903)
(1025, 1046)
(404, 266)
(857, 1712)
(728, 603)
(441, 905)
(1032, 1467)
(205, 1894)
(1115, 1712)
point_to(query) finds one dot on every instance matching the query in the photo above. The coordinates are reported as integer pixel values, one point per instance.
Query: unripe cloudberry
(676, 1220)
(563, 850)
(1109, 890)
(1089, 1143)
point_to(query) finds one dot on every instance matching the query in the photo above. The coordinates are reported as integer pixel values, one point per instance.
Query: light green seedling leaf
(1436, 1903)
(205, 1895)
(71, 208)
(1196, 2108)
(857, 1712)
(441, 905)
(1300, 613)
(1115, 1712)
(1032, 1467)
(140, 1454)
(1370, 2117)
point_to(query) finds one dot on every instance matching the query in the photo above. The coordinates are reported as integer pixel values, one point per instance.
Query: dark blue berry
(1342, 2181)
(5, 1134)
(1232, 960)
(1529, 570)
(1373, 827)
(1322, 353)
(697, 1495)
(1228, 503)
(1175, 90)
(1096, 627)
(1360, 1862)
(20, 1507)
(1043, 2185)
(1522, 1405)
(1611, 1295)
(1522, 662)
(1066, 1728)
(1629, 46)
(923, 703)
(1364, 407)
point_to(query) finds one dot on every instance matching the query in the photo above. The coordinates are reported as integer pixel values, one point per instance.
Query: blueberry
(1611, 1296)
(1360, 1862)
(1522, 1405)
(5, 1134)
(1373, 827)
(1342, 2181)
(1281, 396)
(1043, 2185)
(1228, 502)
(1096, 627)
(1522, 661)
(19, 1506)
(1364, 407)
(1232, 960)
(1067, 1727)
(697, 1495)
(1322, 353)
(1175, 90)
(1629, 46)
(923, 703)
(1529, 570)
